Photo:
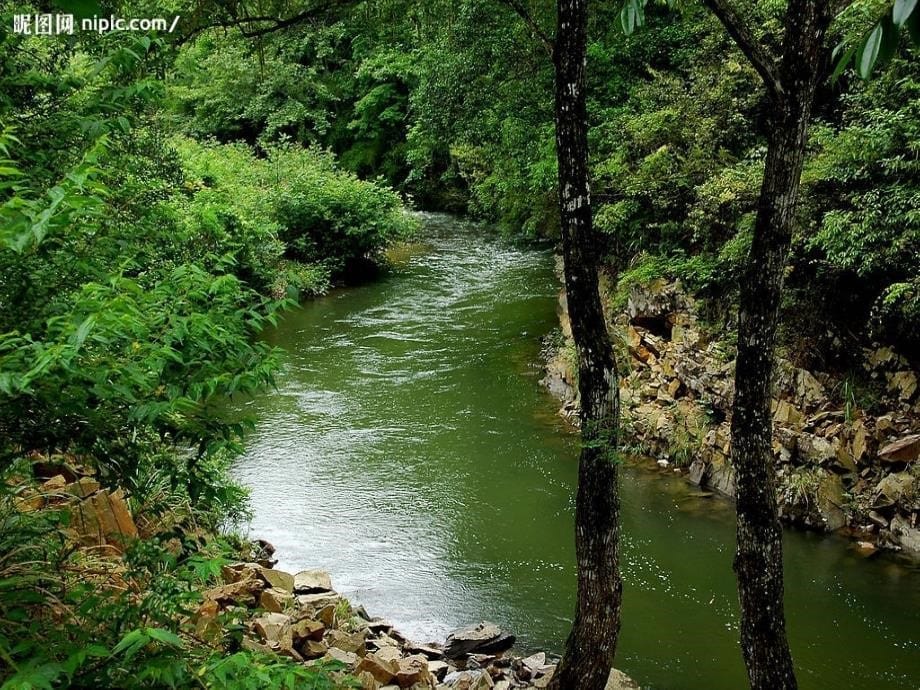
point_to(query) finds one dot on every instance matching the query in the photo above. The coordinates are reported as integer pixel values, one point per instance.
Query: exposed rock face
(833, 463)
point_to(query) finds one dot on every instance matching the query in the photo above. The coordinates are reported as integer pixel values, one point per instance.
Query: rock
(438, 669)
(340, 655)
(905, 449)
(312, 581)
(307, 629)
(274, 627)
(354, 643)
(879, 520)
(534, 663)
(411, 670)
(484, 638)
(104, 518)
(318, 600)
(429, 651)
(906, 535)
(382, 670)
(894, 487)
(617, 680)
(312, 649)
(866, 548)
(241, 592)
(83, 487)
(275, 600)
(697, 472)
(277, 579)
(468, 680)
(903, 384)
(389, 653)
(830, 500)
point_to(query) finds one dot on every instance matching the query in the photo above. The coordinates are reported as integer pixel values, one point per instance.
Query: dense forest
(168, 196)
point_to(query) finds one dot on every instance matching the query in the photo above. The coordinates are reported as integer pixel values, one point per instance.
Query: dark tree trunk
(590, 648)
(759, 554)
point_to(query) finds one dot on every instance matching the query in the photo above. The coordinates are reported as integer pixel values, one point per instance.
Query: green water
(410, 450)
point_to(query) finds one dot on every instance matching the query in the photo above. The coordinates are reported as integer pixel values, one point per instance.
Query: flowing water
(410, 450)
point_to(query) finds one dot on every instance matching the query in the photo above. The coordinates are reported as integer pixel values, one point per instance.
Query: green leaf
(902, 11)
(166, 637)
(868, 52)
(843, 62)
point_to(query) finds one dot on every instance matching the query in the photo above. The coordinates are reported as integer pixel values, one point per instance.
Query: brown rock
(354, 643)
(104, 518)
(382, 670)
(274, 627)
(905, 449)
(340, 655)
(312, 649)
(411, 670)
(277, 579)
(83, 487)
(307, 629)
(242, 592)
(312, 581)
(275, 600)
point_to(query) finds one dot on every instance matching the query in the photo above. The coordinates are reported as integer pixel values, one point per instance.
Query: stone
(878, 519)
(318, 600)
(312, 581)
(277, 579)
(274, 627)
(484, 637)
(275, 600)
(830, 500)
(312, 649)
(903, 384)
(617, 680)
(54, 485)
(340, 655)
(438, 668)
(326, 614)
(906, 535)
(429, 651)
(382, 670)
(895, 486)
(354, 643)
(104, 518)
(859, 445)
(241, 592)
(411, 670)
(905, 449)
(307, 629)
(866, 548)
(83, 487)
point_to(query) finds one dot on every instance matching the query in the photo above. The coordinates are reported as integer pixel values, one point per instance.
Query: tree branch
(268, 24)
(757, 54)
(518, 7)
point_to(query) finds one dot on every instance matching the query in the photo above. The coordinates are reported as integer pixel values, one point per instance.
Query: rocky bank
(299, 615)
(838, 466)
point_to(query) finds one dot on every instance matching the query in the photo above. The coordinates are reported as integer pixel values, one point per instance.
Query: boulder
(906, 535)
(241, 592)
(104, 518)
(830, 500)
(274, 627)
(277, 579)
(354, 642)
(307, 629)
(312, 582)
(484, 637)
(275, 600)
(617, 680)
(895, 487)
(340, 655)
(905, 449)
(411, 670)
(382, 670)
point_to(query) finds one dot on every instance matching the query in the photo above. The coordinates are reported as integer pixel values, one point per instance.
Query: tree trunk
(759, 553)
(590, 648)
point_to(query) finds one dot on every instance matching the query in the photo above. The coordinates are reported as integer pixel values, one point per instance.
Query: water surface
(410, 450)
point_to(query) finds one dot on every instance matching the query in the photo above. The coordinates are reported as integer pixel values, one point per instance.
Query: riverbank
(248, 605)
(841, 466)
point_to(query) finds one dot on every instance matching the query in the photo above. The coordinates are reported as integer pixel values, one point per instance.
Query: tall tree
(791, 80)
(591, 645)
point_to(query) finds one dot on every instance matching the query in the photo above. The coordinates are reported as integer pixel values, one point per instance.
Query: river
(410, 450)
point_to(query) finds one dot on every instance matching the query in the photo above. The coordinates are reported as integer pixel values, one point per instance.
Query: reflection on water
(410, 450)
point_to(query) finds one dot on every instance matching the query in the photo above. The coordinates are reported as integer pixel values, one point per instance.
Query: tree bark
(759, 550)
(590, 648)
